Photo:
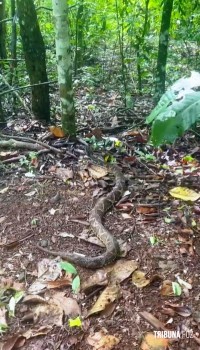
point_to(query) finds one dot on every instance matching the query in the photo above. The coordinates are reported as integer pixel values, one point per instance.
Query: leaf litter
(145, 199)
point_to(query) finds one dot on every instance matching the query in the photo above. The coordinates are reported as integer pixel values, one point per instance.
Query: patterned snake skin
(102, 205)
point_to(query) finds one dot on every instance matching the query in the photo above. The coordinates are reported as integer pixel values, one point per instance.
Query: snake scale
(102, 205)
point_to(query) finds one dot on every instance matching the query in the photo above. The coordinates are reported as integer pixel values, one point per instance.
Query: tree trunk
(162, 49)
(35, 58)
(64, 65)
(2, 117)
(78, 61)
(2, 30)
(13, 45)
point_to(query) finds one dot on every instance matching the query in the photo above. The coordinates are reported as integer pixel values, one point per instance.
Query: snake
(101, 207)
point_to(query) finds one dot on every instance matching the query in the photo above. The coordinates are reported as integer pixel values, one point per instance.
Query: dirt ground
(27, 210)
(160, 233)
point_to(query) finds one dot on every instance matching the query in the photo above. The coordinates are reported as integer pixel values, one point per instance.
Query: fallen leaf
(76, 284)
(30, 194)
(57, 131)
(4, 190)
(65, 173)
(166, 288)
(102, 341)
(126, 216)
(3, 322)
(35, 332)
(59, 283)
(69, 305)
(109, 295)
(183, 283)
(75, 322)
(2, 219)
(145, 209)
(99, 278)
(64, 265)
(152, 320)
(50, 314)
(184, 193)
(15, 342)
(176, 289)
(34, 299)
(122, 269)
(139, 279)
(184, 311)
(150, 342)
(96, 171)
(48, 270)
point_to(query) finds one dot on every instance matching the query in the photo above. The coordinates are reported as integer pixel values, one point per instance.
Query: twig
(29, 139)
(16, 159)
(16, 94)
(27, 86)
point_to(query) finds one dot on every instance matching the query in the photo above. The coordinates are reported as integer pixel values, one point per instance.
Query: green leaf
(177, 111)
(176, 288)
(76, 284)
(167, 220)
(153, 240)
(75, 322)
(3, 327)
(165, 100)
(68, 267)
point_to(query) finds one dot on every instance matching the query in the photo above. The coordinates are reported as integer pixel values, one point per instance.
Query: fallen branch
(30, 140)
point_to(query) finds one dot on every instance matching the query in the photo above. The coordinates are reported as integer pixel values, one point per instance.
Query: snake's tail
(81, 260)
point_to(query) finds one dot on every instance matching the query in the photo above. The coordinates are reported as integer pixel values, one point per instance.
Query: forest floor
(158, 234)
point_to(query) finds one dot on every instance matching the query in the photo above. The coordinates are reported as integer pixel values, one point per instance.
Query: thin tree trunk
(2, 119)
(2, 52)
(13, 46)
(2, 30)
(64, 65)
(78, 61)
(163, 49)
(35, 58)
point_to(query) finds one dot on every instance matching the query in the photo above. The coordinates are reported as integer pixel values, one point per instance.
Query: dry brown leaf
(150, 342)
(152, 320)
(15, 342)
(166, 288)
(96, 171)
(122, 269)
(48, 270)
(109, 295)
(34, 299)
(145, 209)
(48, 314)
(35, 332)
(69, 305)
(99, 278)
(57, 131)
(65, 173)
(184, 311)
(139, 279)
(59, 283)
(102, 341)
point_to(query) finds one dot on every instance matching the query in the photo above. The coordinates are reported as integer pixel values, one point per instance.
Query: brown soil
(26, 215)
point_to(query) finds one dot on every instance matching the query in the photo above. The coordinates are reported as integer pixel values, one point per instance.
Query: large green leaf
(177, 118)
(177, 110)
(165, 100)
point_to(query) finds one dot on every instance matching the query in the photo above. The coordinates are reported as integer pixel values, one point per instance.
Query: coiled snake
(102, 205)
